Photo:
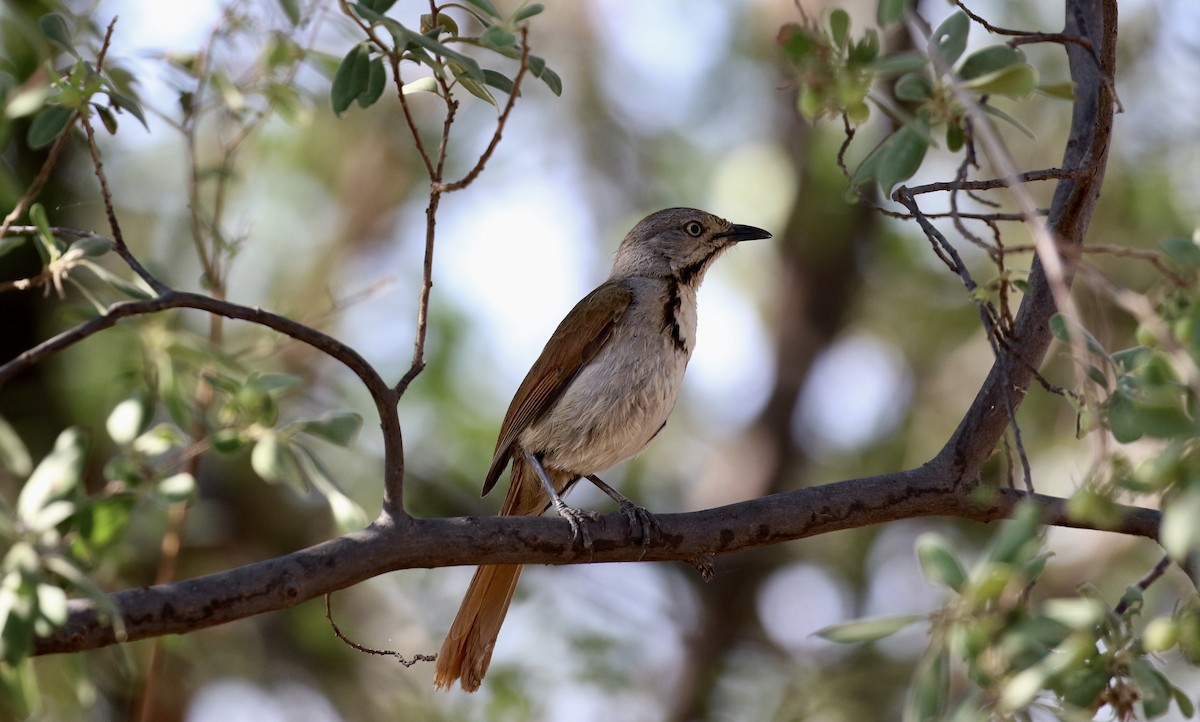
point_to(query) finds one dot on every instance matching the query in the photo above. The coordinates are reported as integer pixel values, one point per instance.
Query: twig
(368, 650)
(106, 195)
(512, 100)
(1143, 584)
(992, 183)
(946, 251)
(437, 189)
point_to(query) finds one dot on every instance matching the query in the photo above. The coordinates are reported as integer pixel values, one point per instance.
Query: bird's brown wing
(576, 341)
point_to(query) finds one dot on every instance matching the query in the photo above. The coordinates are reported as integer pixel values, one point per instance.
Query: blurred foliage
(99, 446)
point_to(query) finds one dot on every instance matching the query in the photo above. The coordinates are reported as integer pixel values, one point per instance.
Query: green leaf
(1179, 533)
(421, 85)
(177, 488)
(915, 87)
(1153, 688)
(1183, 251)
(351, 78)
(47, 243)
(107, 118)
(346, 512)
(376, 82)
(338, 428)
(13, 454)
(273, 383)
(497, 38)
(9, 243)
(48, 124)
(1062, 91)
(930, 690)
(1016, 81)
(955, 139)
(499, 81)
(16, 618)
(51, 515)
(120, 101)
(939, 564)
(950, 39)
(92, 246)
(1123, 418)
(273, 461)
(54, 27)
(52, 604)
(527, 12)
(865, 51)
(895, 159)
(103, 520)
(159, 440)
(486, 7)
(991, 59)
(469, 66)
(867, 630)
(552, 81)
(899, 63)
(291, 9)
(379, 6)
(890, 12)
(1018, 539)
(996, 112)
(1185, 704)
(55, 477)
(1079, 613)
(473, 86)
(839, 26)
(1062, 329)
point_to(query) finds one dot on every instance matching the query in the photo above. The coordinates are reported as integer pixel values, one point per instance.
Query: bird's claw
(578, 519)
(641, 519)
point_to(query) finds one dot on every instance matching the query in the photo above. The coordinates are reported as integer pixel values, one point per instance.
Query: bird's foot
(639, 517)
(578, 519)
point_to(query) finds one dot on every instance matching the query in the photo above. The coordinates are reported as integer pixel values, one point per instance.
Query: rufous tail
(467, 651)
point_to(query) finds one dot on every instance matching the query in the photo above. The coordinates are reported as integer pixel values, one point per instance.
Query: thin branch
(1143, 584)
(992, 183)
(106, 195)
(337, 631)
(512, 100)
(382, 396)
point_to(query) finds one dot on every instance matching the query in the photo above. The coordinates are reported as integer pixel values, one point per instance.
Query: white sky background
(513, 225)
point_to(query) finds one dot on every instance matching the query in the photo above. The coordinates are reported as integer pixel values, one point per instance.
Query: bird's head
(678, 242)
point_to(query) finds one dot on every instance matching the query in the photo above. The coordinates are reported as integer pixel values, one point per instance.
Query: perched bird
(601, 389)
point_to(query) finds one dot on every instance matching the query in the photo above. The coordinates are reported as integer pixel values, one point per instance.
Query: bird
(600, 391)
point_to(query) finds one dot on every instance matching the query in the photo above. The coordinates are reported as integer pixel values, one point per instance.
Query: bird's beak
(738, 233)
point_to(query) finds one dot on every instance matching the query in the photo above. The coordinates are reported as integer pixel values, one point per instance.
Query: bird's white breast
(623, 396)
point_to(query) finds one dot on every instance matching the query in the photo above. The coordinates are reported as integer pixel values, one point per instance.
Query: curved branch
(1083, 166)
(288, 580)
(381, 394)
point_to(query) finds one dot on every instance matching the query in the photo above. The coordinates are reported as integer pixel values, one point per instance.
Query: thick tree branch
(285, 581)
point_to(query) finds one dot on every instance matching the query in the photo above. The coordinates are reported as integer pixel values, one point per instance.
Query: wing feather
(580, 336)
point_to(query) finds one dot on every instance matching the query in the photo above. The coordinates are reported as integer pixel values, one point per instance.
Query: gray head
(679, 243)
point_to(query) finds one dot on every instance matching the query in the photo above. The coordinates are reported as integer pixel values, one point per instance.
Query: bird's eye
(694, 229)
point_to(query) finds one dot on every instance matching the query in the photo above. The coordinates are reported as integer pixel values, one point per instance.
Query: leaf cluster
(836, 73)
(362, 74)
(1073, 655)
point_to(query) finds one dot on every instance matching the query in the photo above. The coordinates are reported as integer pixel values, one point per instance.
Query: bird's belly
(612, 409)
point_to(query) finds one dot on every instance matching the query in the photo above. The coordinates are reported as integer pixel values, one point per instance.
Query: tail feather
(467, 651)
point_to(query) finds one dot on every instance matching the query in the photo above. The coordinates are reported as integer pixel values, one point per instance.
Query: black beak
(738, 233)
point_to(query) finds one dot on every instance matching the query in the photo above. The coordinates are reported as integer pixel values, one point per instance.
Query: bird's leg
(577, 518)
(639, 517)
